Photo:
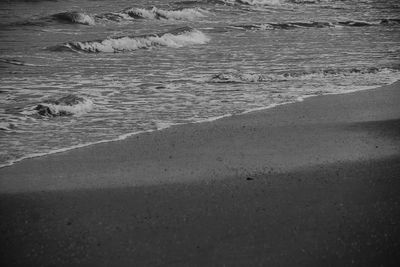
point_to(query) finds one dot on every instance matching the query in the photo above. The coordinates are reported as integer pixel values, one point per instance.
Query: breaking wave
(245, 77)
(315, 24)
(129, 14)
(70, 17)
(279, 2)
(256, 4)
(251, 2)
(73, 17)
(176, 38)
(282, 26)
(155, 13)
(64, 106)
(230, 2)
(237, 2)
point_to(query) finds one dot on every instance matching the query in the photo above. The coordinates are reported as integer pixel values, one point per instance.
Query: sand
(312, 183)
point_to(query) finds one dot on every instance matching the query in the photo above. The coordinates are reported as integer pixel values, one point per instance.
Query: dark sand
(314, 183)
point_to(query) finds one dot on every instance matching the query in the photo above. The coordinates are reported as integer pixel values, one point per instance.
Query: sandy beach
(313, 183)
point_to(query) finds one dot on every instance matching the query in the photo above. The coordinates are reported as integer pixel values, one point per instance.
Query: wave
(19, 63)
(73, 17)
(390, 21)
(235, 2)
(336, 72)
(284, 26)
(7, 127)
(237, 77)
(176, 38)
(69, 17)
(246, 77)
(64, 106)
(157, 13)
(315, 24)
(260, 2)
(14, 62)
(355, 23)
(128, 14)
(249, 2)
(281, 2)
(311, 1)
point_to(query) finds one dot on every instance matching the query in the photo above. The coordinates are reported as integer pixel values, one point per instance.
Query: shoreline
(75, 157)
(313, 183)
(212, 119)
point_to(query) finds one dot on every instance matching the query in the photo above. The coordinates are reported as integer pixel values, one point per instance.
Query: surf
(237, 76)
(68, 105)
(176, 38)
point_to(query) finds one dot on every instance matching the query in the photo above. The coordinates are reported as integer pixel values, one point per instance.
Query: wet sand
(312, 183)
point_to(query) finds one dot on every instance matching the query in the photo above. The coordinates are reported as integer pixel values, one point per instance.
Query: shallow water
(134, 71)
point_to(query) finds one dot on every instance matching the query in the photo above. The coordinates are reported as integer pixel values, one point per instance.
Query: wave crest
(283, 26)
(64, 106)
(74, 17)
(156, 13)
(231, 2)
(176, 38)
(153, 13)
(315, 24)
(279, 2)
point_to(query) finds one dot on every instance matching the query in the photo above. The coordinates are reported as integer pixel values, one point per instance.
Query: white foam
(156, 13)
(84, 18)
(385, 74)
(236, 76)
(163, 126)
(56, 151)
(365, 73)
(77, 109)
(82, 106)
(133, 43)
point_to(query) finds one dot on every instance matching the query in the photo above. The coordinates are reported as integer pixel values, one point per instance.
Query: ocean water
(74, 72)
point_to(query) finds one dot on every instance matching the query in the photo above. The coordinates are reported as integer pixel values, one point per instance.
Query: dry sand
(313, 183)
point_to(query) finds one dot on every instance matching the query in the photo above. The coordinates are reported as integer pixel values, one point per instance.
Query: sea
(80, 72)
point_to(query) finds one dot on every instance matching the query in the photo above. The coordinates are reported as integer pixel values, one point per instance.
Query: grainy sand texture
(314, 183)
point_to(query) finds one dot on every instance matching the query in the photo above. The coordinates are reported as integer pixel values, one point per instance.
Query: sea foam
(128, 14)
(177, 38)
(153, 13)
(237, 76)
(156, 13)
(64, 106)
